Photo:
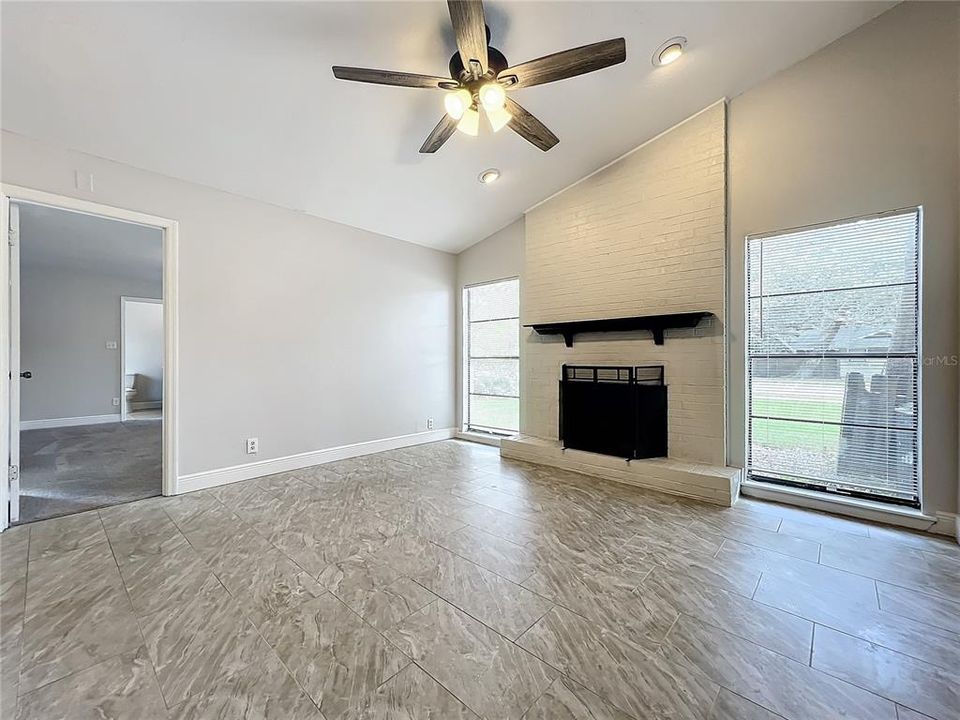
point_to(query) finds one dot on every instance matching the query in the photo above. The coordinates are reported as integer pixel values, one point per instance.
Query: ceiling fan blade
(392, 77)
(471, 31)
(529, 128)
(439, 135)
(565, 64)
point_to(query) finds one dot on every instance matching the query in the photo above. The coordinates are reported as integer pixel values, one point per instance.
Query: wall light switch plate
(253, 446)
(111, 344)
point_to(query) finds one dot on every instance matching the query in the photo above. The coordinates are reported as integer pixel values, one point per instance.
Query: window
(832, 362)
(492, 357)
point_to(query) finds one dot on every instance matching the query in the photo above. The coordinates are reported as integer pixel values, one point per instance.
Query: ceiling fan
(480, 77)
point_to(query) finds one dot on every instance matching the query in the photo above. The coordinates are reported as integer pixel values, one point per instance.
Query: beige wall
(869, 123)
(644, 236)
(300, 331)
(496, 257)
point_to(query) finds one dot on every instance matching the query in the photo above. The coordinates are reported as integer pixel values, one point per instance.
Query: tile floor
(443, 582)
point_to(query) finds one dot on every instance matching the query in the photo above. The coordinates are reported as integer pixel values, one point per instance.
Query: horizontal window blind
(832, 363)
(492, 357)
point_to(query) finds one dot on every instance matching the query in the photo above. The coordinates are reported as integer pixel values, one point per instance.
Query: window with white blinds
(492, 357)
(833, 367)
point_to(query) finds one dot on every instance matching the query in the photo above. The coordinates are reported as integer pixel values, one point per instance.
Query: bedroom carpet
(72, 469)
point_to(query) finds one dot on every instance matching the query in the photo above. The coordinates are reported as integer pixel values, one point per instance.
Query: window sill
(481, 438)
(853, 507)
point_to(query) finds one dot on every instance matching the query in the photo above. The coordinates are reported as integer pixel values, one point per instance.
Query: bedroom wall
(300, 331)
(67, 317)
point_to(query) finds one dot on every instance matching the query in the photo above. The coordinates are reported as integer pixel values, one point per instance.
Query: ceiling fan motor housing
(496, 62)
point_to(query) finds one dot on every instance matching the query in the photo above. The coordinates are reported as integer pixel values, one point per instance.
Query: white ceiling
(240, 96)
(61, 239)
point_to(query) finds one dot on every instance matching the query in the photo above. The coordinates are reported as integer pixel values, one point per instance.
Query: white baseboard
(68, 422)
(261, 468)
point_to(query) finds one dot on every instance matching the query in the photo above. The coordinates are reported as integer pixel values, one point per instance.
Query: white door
(14, 426)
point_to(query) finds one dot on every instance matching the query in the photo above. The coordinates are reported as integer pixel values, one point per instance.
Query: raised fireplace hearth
(614, 410)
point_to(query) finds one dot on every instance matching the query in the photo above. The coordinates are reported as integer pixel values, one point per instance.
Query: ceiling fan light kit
(480, 77)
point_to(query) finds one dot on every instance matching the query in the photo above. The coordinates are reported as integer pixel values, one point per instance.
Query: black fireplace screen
(613, 410)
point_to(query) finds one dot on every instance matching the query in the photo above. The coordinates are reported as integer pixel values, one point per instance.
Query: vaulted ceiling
(240, 96)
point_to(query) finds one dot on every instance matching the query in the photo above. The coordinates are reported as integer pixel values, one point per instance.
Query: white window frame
(465, 364)
(828, 496)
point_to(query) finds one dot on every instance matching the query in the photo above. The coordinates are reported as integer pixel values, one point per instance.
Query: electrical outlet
(253, 446)
(111, 344)
(429, 423)
(116, 402)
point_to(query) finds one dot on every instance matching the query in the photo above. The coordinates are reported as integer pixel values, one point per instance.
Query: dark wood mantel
(654, 323)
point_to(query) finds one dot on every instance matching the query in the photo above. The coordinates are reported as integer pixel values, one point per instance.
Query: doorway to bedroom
(88, 296)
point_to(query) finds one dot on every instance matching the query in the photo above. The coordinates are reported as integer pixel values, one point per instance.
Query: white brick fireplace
(644, 236)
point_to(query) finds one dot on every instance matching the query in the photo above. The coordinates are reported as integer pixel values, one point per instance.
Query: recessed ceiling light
(669, 51)
(489, 176)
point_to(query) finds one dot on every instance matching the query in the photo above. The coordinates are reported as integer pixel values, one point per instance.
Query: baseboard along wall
(262, 468)
(68, 422)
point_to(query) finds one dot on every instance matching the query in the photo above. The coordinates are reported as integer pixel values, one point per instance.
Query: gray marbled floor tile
(388, 605)
(816, 533)
(12, 592)
(930, 609)
(772, 563)
(734, 575)
(234, 561)
(917, 540)
(652, 535)
(763, 517)
(501, 524)
(774, 629)
(260, 691)
(192, 644)
(50, 538)
(79, 631)
(493, 600)
(507, 559)
(607, 598)
(14, 543)
(336, 657)
(931, 573)
(493, 677)
(634, 678)
(426, 522)
(85, 570)
(730, 706)
(905, 713)
(119, 688)
(905, 680)
(207, 525)
(809, 517)
(275, 588)
(857, 614)
(140, 530)
(375, 590)
(781, 685)
(156, 581)
(775, 541)
(411, 694)
(523, 507)
(567, 700)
